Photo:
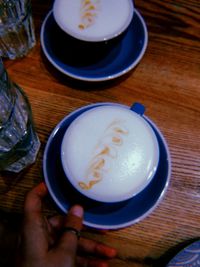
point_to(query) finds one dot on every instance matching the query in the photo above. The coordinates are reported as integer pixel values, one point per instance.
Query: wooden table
(167, 82)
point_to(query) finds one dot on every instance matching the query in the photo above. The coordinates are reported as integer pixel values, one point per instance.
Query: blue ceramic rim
(103, 78)
(95, 225)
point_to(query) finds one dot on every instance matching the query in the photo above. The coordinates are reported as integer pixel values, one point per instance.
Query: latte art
(88, 13)
(109, 153)
(105, 151)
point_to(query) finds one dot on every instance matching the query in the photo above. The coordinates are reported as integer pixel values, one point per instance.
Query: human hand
(44, 243)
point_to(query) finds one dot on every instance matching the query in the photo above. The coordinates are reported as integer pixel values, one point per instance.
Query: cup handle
(138, 108)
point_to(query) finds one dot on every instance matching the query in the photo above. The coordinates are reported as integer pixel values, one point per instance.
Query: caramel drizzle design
(106, 150)
(89, 11)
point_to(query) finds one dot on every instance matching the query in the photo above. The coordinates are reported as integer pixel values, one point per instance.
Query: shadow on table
(10, 179)
(9, 229)
(84, 85)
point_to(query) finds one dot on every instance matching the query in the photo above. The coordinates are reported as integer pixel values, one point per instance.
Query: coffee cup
(93, 20)
(110, 152)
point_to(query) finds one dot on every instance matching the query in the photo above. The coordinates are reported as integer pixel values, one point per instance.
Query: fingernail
(77, 211)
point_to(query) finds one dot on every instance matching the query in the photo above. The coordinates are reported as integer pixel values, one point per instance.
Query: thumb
(68, 241)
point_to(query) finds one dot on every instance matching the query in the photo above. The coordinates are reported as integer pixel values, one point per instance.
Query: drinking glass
(17, 34)
(19, 143)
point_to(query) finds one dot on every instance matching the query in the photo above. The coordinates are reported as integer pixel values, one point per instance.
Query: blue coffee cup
(102, 214)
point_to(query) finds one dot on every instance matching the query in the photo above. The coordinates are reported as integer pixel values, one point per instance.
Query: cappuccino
(109, 153)
(93, 20)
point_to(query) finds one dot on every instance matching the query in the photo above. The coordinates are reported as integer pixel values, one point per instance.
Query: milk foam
(110, 153)
(93, 20)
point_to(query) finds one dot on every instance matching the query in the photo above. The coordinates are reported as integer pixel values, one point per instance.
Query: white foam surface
(115, 148)
(107, 19)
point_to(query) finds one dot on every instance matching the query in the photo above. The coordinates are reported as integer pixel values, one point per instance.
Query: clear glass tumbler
(17, 35)
(19, 143)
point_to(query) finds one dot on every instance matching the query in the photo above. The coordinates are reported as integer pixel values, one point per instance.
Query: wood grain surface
(167, 82)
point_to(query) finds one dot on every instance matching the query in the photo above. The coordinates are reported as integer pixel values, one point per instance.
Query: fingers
(81, 261)
(33, 201)
(34, 232)
(96, 248)
(68, 241)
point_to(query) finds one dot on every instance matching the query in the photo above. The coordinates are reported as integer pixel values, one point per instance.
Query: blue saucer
(188, 257)
(124, 55)
(97, 214)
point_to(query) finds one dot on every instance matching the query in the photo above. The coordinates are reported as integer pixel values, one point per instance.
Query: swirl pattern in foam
(93, 20)
(110, 153)
(89, 11)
